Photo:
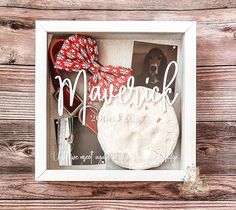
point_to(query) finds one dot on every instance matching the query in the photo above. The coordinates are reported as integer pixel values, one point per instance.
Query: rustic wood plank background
(216, 108)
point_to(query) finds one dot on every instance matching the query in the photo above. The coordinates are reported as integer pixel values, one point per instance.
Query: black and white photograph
(150, 61)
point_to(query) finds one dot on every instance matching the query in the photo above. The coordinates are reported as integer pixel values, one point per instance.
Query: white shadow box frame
(184, 31)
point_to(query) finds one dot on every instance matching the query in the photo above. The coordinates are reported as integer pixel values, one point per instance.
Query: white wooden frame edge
(188, 28)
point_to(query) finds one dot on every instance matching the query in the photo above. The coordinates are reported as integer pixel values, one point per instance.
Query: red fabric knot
(80, 52)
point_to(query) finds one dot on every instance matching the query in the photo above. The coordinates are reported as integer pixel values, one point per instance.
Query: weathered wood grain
(16, 105)
(221, 78)
(17, 92)
(216, 106)
(23, 186)
(21, 18)
(216, 31)
(216, 146)
(216, 93)
(17, 78)
(120, 4)
(16, 146)
(116, 204)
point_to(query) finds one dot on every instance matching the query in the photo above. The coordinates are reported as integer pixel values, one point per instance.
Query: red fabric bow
(80, 52)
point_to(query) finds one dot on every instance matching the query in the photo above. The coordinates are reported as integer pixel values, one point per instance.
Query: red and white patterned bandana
(80, 52)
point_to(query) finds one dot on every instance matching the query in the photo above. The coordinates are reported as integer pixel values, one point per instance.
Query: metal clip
(70, 138)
